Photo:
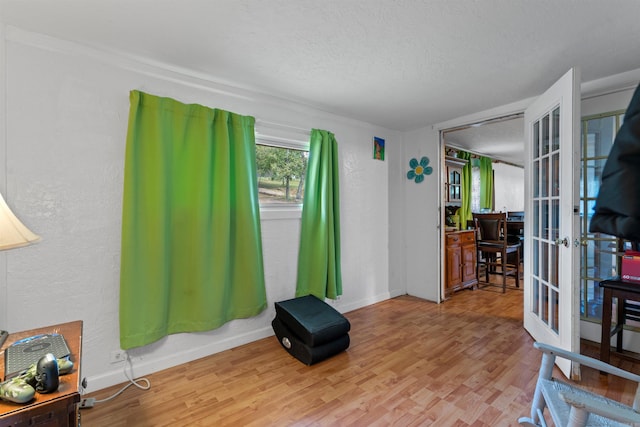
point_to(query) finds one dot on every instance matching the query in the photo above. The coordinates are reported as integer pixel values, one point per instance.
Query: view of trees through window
(281, 173)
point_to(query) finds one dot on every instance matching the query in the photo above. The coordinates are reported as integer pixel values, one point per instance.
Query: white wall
(508, 183)
(417, 216)
(66, 112)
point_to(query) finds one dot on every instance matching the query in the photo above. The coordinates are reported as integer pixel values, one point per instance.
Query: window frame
(272, 211)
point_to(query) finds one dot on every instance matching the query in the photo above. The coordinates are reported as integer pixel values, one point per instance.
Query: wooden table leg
(605, 337)
(620, 323)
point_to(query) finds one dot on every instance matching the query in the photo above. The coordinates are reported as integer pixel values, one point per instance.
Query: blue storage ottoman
(310, 329)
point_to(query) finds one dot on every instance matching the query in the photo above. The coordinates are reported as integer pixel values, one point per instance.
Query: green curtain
(319, 271)
(486, 183)
(191, 244)
(465, 181)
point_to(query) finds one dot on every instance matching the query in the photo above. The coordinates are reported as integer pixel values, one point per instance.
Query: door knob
(563, 242)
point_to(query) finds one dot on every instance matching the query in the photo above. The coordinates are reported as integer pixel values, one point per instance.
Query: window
(281, 169)
(475, 188)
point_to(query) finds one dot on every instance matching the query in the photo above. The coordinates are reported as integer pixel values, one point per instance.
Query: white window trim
(276, 141)
(277, 211)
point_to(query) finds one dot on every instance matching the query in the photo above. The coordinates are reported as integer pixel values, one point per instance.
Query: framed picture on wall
(378, 148)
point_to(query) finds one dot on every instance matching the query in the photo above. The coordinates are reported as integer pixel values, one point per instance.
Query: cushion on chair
(303, 352)
(313, 321)
(489, 229)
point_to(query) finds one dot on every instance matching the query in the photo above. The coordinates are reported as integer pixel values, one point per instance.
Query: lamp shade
(13, 233)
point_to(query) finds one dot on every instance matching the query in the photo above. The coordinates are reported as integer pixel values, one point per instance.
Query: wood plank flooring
(466, 362)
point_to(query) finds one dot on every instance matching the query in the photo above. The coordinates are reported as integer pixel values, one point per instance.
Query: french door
(551, 272)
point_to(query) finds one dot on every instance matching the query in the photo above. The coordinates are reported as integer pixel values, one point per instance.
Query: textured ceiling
(395, 63)
(502, 140)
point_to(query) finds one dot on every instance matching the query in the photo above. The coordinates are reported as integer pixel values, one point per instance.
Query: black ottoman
(310, 329)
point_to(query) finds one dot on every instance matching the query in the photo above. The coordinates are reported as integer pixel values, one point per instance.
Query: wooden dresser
(51, 409)
(460, 271)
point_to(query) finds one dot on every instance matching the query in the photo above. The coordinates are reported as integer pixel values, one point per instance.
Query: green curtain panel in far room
(486, 183)
(319, 270)
(465, 189)
(191, 244)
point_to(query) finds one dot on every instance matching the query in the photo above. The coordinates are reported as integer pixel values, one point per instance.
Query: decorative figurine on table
(42, 377)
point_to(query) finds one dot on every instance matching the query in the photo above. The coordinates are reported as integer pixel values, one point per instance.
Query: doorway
(500, 139)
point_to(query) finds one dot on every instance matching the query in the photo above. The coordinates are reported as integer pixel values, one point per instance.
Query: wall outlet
(117, 356)
(87, 403)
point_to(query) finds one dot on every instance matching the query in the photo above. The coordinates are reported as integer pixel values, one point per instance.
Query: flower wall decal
(419, 170)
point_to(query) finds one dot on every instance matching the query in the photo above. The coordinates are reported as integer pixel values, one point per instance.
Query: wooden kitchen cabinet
(453, 190)
(460, 249)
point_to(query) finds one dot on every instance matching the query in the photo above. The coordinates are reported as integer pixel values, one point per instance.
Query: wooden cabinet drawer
(453, 239)
(460, 238)
(467, 237)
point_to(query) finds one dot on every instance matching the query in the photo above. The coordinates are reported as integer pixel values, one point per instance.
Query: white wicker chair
(571, 406)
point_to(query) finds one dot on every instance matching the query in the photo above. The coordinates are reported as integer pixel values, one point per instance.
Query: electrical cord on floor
(89, 402)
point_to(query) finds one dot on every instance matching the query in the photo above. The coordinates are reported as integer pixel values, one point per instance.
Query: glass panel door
(546, 230)
(599, 252)
(551, 297)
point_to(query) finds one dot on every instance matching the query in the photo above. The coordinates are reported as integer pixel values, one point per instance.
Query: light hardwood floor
(466, 362)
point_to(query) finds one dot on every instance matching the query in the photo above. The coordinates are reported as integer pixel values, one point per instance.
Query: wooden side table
(615, 288)
(51, 409)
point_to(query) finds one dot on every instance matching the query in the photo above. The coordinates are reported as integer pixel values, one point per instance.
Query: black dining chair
(496, 253)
